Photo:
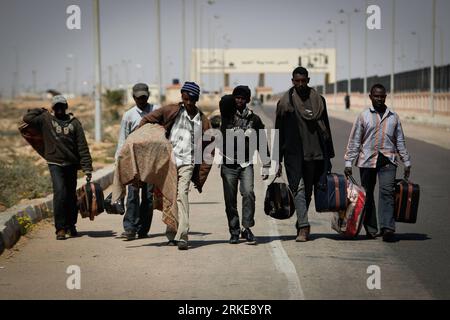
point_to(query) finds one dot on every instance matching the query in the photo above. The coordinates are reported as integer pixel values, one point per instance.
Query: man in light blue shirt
(139, 210)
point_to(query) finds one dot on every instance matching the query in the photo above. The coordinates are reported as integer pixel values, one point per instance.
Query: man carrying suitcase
(306, 145)
(66, 150)
(375, 140)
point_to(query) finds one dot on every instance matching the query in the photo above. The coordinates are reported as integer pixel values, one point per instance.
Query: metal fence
(409, 81)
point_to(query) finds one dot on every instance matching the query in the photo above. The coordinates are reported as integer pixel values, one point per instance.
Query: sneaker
(247, 234)
(129, 235)
(303, 234)
(171, 243)
(388, 235)
(61, 235)
(143, 236)
(234, 239)
(72, 232)
(182, 245)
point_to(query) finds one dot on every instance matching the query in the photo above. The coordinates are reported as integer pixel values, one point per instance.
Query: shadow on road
(199, 203)
(398, 237)
(98, 234)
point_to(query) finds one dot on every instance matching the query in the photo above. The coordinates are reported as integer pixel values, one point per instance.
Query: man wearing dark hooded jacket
(66, 151)
(305, 143)
(238, 119)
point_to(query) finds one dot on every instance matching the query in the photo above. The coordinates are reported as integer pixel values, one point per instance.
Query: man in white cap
(139, 210)
(66, 151)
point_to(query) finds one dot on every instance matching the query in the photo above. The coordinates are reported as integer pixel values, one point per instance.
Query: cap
(58, 99)
(140, 89)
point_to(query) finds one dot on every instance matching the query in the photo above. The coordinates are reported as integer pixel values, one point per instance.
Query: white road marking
(285, 265)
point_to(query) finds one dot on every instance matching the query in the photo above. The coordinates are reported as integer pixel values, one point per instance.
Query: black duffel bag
(114, 208)
(90, 200)
(279, 201)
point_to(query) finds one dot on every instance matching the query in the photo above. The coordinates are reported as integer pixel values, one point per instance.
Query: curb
(38, 209)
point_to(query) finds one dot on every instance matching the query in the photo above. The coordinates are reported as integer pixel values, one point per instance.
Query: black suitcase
(330, 193)
(90, 200)
(407, 196)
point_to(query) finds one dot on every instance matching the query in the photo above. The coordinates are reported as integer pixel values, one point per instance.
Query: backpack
(90, 200)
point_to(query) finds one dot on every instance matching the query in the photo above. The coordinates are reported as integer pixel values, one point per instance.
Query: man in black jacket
(66, 151)
(305, 143)
(238, 119)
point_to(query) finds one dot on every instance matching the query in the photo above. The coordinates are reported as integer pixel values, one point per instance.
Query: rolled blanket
(147, 156)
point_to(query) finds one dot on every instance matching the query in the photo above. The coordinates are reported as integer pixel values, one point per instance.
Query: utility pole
(158, 36)
(195, 52)
(183, 32)
(34, 72)
(433, 59)
(365, 59)
(393, 56)
(98, 73)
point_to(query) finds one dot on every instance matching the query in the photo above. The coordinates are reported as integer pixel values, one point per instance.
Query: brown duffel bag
(90, 200)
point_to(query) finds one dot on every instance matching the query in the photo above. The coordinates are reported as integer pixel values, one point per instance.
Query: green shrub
(25, 223)
(115, 97)
(22, 179)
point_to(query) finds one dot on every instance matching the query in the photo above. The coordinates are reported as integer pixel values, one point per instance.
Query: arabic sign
(263, 60)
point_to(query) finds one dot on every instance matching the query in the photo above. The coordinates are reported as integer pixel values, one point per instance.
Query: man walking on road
(238, 119)
(185, 125)
(305, 141)
(376, 137)
(139, 213)
(66, 151)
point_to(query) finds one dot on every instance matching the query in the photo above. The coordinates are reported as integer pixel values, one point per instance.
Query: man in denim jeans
(375, 140)
(66, 151)
(236, 116)
(139, 213)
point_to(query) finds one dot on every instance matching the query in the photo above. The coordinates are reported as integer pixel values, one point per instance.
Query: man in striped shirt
(375, 140)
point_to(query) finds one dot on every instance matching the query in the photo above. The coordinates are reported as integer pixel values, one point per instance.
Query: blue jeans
(65, 211)
(231, 175)
(386, 179)
(139, 214)
(312, 170)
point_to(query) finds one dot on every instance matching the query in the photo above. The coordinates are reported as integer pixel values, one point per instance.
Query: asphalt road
(423, 247)
(327, 267)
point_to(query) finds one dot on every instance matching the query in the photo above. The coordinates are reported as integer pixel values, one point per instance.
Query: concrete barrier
(37, 209)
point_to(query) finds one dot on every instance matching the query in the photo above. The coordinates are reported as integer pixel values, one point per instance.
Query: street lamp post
(419, 62)
(158, 36)
(349, 22)
(183, 32)
(433, 59)
(98, 72)
(335, 50)
(393, 55)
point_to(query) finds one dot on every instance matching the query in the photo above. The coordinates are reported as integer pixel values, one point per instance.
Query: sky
(34, 38)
